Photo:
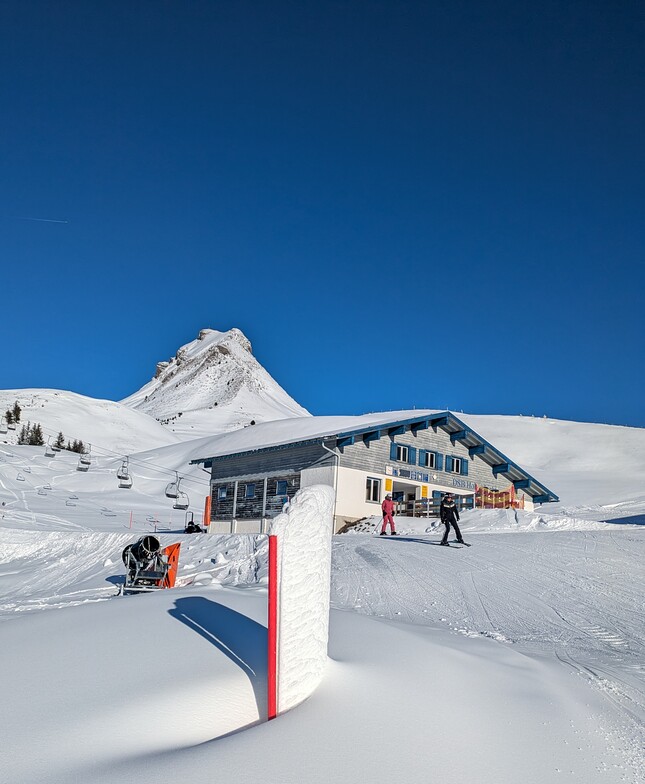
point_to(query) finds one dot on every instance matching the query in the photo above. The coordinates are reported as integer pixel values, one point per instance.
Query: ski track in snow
(576, 596)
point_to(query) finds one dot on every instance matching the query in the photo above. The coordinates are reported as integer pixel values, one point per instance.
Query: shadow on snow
(241, 639)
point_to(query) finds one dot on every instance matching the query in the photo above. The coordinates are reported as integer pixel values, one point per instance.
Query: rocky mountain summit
(212, 384)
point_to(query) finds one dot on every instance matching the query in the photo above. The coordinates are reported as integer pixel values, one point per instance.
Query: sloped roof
(282, 433)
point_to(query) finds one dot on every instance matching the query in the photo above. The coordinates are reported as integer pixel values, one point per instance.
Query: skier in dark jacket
(449, 515)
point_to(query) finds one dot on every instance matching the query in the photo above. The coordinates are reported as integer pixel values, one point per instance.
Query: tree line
(32, 435)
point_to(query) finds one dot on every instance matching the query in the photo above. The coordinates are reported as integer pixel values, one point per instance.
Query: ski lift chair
(172, 488)
(82, 465)
(3, 426)
(11, 425)
(86, 457)
(182, 501)
(49, 450)
(123, 474)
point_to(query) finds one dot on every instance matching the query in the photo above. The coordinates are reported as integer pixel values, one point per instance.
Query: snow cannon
(148, 567)
(145, 549)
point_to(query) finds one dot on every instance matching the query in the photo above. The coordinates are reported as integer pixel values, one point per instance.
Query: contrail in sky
(45, 220)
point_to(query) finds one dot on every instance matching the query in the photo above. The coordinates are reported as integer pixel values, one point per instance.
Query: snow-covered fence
(303, 534)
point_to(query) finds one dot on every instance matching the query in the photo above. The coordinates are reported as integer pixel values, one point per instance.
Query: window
(456, 465)
(221, 493)
(281, 487)
(429, 459)
(402, 453)
(249, 490)
(373, 489)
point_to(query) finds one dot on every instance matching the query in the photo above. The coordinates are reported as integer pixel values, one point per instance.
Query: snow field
(519, 659)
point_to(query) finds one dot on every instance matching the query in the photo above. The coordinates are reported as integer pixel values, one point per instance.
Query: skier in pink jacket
(388, 510)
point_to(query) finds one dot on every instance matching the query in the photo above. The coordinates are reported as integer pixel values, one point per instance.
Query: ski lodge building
(416, 457)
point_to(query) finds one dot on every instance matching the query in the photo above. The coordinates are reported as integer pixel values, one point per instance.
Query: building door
(404, 496)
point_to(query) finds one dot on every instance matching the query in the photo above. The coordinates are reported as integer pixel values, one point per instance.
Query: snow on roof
(295, 429)
(272, 435)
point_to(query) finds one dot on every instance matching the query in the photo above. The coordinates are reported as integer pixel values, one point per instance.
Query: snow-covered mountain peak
(212, 384)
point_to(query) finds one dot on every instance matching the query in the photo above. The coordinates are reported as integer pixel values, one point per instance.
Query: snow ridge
(213, 384)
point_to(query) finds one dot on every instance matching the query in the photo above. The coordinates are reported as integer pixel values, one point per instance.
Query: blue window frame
(427, 459)
(281, 487)
(249, 490)
(221, 493)
(432, 460)
(403, 453)
(456, 465)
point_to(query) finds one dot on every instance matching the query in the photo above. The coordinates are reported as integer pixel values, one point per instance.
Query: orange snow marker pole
(272, 630)
(207, 512)
(130, 519)
(172, 551)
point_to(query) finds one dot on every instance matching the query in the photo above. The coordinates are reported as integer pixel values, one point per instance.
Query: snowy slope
(591, 466)
(108, 425)
(212, 385)
(596, 469)
(517, 660)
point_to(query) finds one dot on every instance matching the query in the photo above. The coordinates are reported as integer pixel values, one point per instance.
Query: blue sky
(434, 204)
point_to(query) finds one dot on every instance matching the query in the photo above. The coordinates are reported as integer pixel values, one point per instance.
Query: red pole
(272, 631)
(207, 512)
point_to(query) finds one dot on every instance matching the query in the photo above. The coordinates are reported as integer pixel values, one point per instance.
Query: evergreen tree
(23, 438)
(36, 436)
(9, 416)
(16, 411)
(80, 447)
(69, 446)
(60, 441)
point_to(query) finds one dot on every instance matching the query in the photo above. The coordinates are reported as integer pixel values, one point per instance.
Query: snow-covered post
(304, 535)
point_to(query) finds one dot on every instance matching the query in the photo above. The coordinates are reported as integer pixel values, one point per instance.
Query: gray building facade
(415, 460)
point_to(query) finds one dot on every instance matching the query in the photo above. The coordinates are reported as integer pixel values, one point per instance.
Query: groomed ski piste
(520, 658)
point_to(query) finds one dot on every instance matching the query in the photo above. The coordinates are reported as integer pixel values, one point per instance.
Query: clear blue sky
(431, 204)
